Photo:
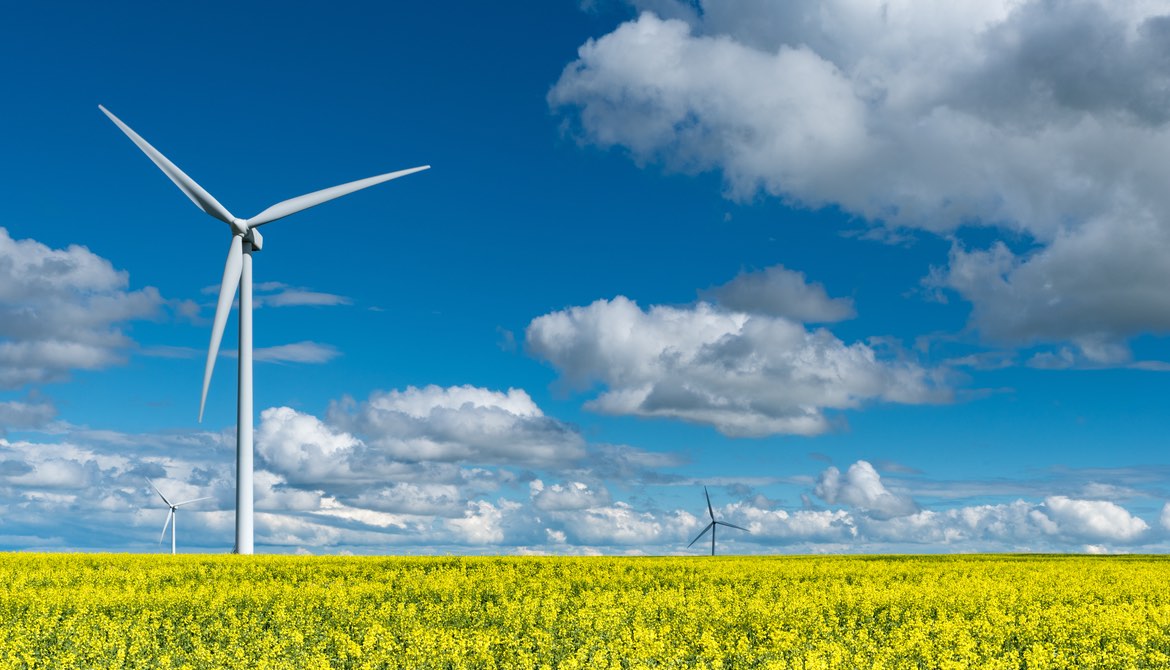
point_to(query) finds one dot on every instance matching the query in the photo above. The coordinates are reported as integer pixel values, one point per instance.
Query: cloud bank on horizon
(320, 487)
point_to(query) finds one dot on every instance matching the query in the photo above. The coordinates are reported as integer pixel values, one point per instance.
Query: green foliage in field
(86, 611)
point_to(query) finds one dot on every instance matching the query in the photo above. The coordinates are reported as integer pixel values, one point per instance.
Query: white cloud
(1105, 491)
(16, 414)
(459, 424)
(273, 494)
(1095, 519)
(615, 524)
(54, 473)
(297, 352)
(778, 291)
(482, 522)
(1093, 287)
(331, 507)
(295, 531)
(303, 448)
(62, 310)
(293, 297)
(1012, 526)
(625, 463)
(278, 294)
(1056, 524)
(422, 498)
(568, 496)
(800, 525)
(746, 375)
(861, 488)
(1049, 119)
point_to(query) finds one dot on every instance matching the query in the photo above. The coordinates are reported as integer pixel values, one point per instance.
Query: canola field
(107, 611)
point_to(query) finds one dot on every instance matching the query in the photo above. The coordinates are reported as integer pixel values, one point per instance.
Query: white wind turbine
(246, 239)
(711, 526)
(172, 520)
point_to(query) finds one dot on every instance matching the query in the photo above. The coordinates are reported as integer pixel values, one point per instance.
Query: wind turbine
(711, 526)
(172, 520)
(246, 239)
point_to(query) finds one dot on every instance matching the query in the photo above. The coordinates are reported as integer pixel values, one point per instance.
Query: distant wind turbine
(711, 526)
(171, 519)
(246, 239)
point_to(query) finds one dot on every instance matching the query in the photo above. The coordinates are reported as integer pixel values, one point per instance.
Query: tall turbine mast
(237, 273)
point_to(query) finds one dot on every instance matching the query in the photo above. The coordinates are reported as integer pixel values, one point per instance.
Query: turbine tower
(172, 520)
(711, 526)
(237, 272)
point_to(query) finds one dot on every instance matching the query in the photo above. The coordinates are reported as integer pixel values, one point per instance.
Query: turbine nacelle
(240, 226)
(254, 237)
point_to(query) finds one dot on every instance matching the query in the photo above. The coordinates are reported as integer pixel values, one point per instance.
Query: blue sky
(882, 278)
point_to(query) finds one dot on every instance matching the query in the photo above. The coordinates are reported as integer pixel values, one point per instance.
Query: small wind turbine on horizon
(171, 519)
(246, 240)
(711, 526)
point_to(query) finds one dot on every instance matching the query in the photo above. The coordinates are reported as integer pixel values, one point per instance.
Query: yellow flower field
(104, 611)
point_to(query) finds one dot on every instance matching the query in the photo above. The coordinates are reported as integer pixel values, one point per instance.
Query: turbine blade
(227, 290)
(170, 513)
(157, 491)
(731, 525)
(200, 197)
(709, 527)
(301, 202)
(187, 502)
(709, 510)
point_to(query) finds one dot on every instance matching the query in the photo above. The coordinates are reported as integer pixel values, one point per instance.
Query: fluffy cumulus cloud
(617, 524)
(304, 448)
(568, 496)
(861, 488)
(426, 433)
(483, 522)
(1094, 519)
(745, 374)
(778, 526)
(1047, 119)
(459, 423)
(62, 310)
(420, 498)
